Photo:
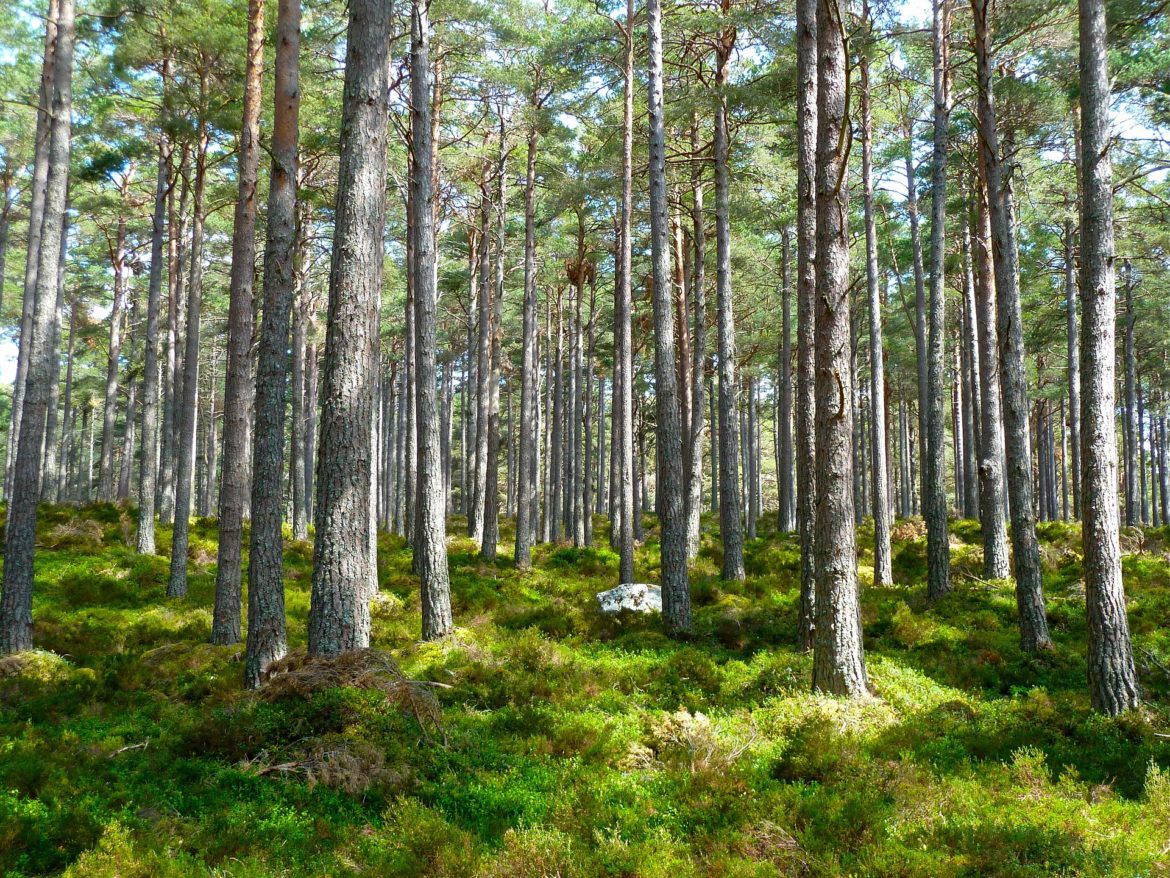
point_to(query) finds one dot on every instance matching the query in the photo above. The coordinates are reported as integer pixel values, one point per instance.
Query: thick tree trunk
(806, 308)
(185, 441)
(267, 640)
(676, 597)
(838, 653)
(339, 615)
(20, 530)
(1113, 684)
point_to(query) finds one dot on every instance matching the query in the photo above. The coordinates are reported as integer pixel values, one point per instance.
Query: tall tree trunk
(996, 564)
(730, 512)
(676, 597)
(238, 384)
(934, 498)
(68, 415)
(185, 442)
(806, 309)
(1074, 366)
(113, 355)
(1029, 595)
(172, 376)
(483, 366)
(1112, 681)
(785, 488)
(20, 530)
(698, 298)
(838, 653)
(267, 640)
(52, 439)
(1132, 427)
(339, 614)
(920, 349)
(972, 382)
(148, 469)
(38, 188)
(882, 569)
(430, 543)
(301, 464)
(527, 501)
(623, 409)
(491, 518)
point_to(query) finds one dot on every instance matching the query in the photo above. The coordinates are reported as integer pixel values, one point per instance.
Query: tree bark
(185, 441)
(938, 551)
(996, 564)
(491, 518)
(1029, 594)
(882, 564)
(339, 615)
(267, 641)
(838, 653)
(20, 530)
(806, 307)
(676, 598)
(238, 384)
(1113, 684)
(730, 511)
(430, 543)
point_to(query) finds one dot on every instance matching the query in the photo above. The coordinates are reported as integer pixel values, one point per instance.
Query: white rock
(636, 597)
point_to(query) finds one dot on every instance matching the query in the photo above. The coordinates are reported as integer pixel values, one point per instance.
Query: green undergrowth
(550, 740)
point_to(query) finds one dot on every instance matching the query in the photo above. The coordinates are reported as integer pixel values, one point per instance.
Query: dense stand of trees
(559, 267)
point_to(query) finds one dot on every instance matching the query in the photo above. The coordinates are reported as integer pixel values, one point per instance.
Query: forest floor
(566, 743)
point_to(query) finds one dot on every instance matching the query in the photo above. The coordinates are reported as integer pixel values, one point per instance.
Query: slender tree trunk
(785, 488)
(698, 299)
(38, 189)
(21, 523)
(1029, 595)
(339, 616)
(527, 501)
(113, 359)
(430, 544)
(934, 499)
(996, 564)
(49, 467)
(623, 409)
(491, 522)
(300, 463)
(676, 598)
(730, 512)
(483, 368)
(68, 415)
(1112, 681)
(838, 653)
(972, 383)
(177, 583)
(267, 640)
(172, 376)
(148, 470)
(1074, 366)
(806, 309)
(882, 569)
(1132, 428)
(238, 384)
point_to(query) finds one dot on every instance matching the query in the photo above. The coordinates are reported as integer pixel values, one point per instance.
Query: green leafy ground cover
(571, 744)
